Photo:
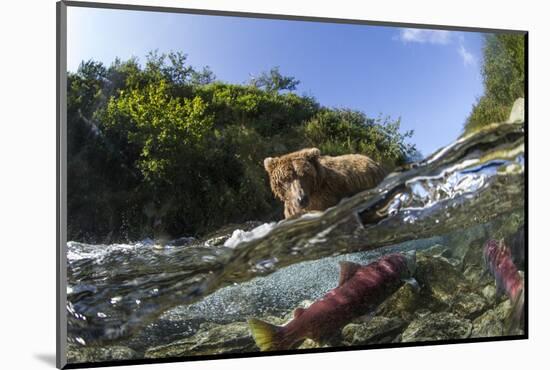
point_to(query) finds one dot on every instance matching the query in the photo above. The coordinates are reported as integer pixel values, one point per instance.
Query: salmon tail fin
(514, 321)
(268, 337)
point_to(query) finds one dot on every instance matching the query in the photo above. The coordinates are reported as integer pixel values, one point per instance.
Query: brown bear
(308, 181)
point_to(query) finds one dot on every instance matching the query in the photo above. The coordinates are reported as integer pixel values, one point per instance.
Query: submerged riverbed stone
(478, 276)
(402, 304)
(495, 322)
(460, 243)
(378, 330)
(469, 305)
(474, 254)
(78, 354)
(437, 326)
(487, 325)
(490, 292)
(439, 279)
(503, 309)
(436, 250)
(209, 340)
(310, 343)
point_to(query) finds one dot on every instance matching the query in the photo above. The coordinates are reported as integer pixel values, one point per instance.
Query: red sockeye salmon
(499, 262)
(360, 290)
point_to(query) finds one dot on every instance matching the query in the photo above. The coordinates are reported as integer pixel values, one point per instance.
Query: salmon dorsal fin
(298, 312)
(347, 270)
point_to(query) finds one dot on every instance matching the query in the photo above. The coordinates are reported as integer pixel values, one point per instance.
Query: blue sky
(429, 78)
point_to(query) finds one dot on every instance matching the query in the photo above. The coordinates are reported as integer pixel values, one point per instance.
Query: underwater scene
(212, 217)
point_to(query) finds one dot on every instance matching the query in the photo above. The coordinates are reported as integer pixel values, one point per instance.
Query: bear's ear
(312, 153)
(269, 163)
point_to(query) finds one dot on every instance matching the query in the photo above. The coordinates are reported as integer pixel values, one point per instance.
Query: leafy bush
(503, 79)
(342, 131)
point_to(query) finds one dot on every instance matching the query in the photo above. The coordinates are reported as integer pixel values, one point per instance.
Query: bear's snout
(298, 195)
(303, 200)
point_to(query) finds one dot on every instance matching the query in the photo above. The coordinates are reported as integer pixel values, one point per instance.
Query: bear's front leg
(288, 212)
(291, 211)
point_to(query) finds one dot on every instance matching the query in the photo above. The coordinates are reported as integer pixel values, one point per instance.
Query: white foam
(77, 251)
(240, 236)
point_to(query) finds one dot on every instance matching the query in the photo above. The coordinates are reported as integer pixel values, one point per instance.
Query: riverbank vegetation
(503, 72)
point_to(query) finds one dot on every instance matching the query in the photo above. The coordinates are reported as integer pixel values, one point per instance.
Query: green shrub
(342, 131)
(503, 74)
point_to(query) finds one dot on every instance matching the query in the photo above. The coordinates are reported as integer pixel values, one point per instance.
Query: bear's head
(294, 177)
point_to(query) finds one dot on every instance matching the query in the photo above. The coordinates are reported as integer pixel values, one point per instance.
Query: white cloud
(438, 37)
(467, 57)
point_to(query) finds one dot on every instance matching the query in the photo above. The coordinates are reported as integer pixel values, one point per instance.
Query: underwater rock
(402, 304)
(437, 326)
(460, 243)
(504, 313)
(79, 354)
(310, 343)
(436, 250)
(469, 305)
(210, 339)
(443, 283)
(476, 275)
(165, 330)
(474, 254)
(503, 309)
(378, 330)
(443, 252)
(487, 325)
(490, 292)
(494, 322)
(507, 226)
(440, 281)
(421, 312)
